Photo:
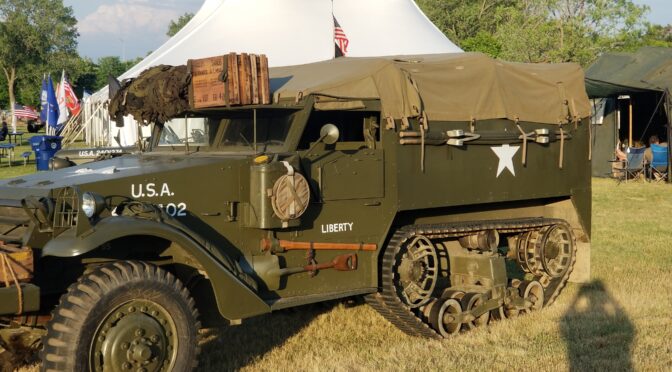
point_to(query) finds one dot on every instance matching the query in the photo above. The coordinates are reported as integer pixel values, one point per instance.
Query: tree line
(546, 30)
(40, 36)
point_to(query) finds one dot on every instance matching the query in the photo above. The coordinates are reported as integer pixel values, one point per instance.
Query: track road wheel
(451, 293)
(532, 292)
(442, 317)
(123, 316)
(471, 301)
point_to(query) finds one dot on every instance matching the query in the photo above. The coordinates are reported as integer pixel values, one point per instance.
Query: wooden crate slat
(233, 80)
(264, 90)
(254, 83)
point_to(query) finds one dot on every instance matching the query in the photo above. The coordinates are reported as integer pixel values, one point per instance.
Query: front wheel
(123, 316)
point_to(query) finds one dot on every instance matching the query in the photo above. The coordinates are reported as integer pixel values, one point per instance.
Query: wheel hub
(140, 353)
(137, 336)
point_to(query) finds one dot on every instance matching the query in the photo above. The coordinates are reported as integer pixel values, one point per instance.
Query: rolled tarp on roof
(613, 74)
(447, 87)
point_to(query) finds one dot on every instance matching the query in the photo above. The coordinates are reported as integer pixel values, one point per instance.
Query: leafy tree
(108, 66)
(111, 66)
(462, 20)
(658, 36)
(540, 30)
(175, 26)
(86, 77)
(34, 34)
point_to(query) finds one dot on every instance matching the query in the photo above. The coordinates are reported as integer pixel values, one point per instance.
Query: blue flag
(43, 100)
(52, 105)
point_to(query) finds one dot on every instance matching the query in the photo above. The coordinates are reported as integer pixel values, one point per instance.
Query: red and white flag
(340, 38)
(63, 114)
(71, 100)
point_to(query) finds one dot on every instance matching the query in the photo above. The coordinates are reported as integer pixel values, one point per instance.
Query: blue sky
(660, 12)
(133, 28)
(125, 28)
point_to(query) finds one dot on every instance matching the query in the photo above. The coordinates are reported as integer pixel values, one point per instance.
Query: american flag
(340, 38)
(25, 112)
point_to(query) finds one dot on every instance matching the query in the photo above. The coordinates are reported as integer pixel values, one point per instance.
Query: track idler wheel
(443, 316)
(548, 251)
(471, 301)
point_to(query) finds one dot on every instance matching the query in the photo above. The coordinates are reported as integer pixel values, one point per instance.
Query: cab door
(347, 183)
(350, 169)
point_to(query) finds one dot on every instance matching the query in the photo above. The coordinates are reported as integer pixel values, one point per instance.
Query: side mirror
(329, 134)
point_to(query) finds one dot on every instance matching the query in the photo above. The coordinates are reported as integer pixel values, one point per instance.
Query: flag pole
(333, 27)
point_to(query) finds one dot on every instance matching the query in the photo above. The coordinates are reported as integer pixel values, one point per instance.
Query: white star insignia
(505, 154)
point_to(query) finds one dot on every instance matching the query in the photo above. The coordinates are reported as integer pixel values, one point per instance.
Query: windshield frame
(219, 114)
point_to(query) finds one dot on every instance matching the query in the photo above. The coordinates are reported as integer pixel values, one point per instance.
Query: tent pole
(630, 122)
(668, 111)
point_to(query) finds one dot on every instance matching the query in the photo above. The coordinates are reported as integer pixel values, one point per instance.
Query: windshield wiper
(246, 141)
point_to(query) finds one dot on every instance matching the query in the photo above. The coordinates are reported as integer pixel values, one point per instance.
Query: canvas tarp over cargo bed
(450, 87)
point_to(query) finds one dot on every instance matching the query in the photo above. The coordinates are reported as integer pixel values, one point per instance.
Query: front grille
(67, 208)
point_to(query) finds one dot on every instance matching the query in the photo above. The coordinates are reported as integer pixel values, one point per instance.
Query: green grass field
(620, 321)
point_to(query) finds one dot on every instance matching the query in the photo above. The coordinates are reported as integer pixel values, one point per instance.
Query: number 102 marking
(175, 210)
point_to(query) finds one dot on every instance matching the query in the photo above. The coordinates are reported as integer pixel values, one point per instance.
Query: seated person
(3, 131)
(653, 140)
(659, 157)
(621, 153)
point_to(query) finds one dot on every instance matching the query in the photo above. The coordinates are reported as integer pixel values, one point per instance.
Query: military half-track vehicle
(449, 190)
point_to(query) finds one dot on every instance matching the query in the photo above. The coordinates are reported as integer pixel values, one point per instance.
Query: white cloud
(131, 18)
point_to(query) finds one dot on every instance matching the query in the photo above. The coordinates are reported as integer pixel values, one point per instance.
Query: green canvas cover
(446, 87)
(613, 74)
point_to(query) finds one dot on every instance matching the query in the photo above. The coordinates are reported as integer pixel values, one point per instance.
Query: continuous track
(388, 303)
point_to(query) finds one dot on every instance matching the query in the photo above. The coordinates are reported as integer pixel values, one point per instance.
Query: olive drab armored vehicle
(449, 190)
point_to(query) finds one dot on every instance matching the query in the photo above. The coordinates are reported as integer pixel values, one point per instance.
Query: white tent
(289, 32)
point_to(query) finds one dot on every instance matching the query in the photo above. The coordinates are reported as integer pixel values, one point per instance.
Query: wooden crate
(21, 261)
(229, 80)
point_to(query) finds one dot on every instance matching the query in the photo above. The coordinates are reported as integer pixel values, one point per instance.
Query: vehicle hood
(39, 184)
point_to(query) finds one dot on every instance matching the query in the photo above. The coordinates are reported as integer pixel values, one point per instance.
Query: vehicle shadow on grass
(598, 332)
(234, 347)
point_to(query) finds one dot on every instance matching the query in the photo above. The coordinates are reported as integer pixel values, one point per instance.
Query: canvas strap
(562, 147)
(7, 267)
(422, 148)
(590, 141)
(522, 132)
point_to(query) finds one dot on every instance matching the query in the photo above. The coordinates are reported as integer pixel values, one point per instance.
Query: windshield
(237, 131)
(229, 131)
(178, 132)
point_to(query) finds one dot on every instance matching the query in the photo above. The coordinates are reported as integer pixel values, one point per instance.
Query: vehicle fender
(225, 283)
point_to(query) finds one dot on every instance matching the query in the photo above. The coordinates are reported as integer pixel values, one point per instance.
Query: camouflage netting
(156, 95)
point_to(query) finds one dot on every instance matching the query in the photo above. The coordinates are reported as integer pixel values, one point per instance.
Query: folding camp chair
(633, 165)
(658, 166)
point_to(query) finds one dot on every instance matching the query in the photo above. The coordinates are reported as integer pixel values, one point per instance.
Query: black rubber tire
(67, 343)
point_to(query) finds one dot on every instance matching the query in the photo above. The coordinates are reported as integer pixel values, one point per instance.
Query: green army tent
(636, 87)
